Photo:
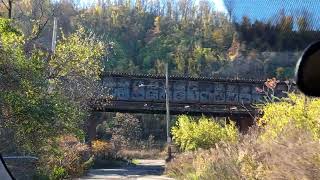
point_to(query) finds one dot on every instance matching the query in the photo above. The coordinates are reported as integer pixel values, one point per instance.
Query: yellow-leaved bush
(191, 134)
(101, 148)
(298, 110)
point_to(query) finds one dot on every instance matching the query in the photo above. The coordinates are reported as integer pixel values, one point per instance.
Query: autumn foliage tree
(36, 106)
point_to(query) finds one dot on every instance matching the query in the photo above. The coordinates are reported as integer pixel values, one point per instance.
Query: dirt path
(145, 169)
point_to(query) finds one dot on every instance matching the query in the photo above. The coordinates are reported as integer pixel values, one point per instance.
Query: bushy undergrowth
(302, 112)
(143, 153)
(191, 134)
(105, 155)
(125, 144)
(67, 159)
(144, 149)
(126, 131)
(102, 148)
(284, 145)
(295, 156)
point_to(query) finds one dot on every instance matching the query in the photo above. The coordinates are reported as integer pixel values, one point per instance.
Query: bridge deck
(188, 95)
(177, 108)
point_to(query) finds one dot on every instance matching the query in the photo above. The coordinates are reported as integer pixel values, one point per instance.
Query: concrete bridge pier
(91, 130)
(243, 122)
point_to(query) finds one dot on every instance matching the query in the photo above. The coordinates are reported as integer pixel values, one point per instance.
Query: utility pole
(168, 113)
(54, 35)
(167, 92)
(53, 49)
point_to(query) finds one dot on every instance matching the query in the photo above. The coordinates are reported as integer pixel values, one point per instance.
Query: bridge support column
(91, 131)
(243, 123)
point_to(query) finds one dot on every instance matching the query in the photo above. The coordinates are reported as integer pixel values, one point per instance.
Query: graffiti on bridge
(185, 91)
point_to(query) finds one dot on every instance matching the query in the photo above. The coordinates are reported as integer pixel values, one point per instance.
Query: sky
(219, 5)
(264, 9)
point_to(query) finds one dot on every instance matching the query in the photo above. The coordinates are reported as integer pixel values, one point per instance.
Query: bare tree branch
(5, 4)
(248, 111)
(40, 29)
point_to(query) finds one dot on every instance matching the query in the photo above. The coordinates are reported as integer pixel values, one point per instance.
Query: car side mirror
(308, 71)
(5, 174)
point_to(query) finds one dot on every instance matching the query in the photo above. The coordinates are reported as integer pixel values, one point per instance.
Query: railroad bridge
(138, 93)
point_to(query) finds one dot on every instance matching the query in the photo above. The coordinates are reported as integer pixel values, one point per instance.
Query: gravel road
(145, 170)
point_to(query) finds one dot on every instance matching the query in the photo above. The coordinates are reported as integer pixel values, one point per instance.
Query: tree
(230, 4)
(126, 130)
(304, 21)
(76, 67)
(28, 110)
(9, 6)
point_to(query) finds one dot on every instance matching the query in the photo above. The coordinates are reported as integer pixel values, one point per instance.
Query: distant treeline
(192, 37)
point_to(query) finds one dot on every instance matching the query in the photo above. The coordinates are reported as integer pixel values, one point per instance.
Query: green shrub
(298, 110)
(58, 173)
(191, 134)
